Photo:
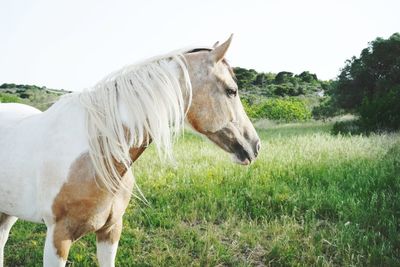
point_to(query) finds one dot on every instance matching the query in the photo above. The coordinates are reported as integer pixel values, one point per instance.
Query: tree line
(279, 84)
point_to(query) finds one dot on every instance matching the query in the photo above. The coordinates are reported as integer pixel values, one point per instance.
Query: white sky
(72, 44)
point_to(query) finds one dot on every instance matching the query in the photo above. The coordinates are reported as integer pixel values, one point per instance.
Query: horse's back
(10, 112)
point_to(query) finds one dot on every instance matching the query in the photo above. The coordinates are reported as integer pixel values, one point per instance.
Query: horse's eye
(231, 92)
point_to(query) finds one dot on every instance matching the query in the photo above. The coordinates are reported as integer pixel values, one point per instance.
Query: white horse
(68, 166)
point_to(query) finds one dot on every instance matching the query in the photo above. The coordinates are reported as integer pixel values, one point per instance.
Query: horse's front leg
(58, 243)
(107, 244)
(6, 222)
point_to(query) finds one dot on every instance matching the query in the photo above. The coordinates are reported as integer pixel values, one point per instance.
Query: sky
(72, 44)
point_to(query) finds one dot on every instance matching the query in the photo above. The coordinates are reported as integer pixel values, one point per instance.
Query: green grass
(311, 199)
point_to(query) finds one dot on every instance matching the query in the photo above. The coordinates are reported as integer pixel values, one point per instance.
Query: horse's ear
(219, 52)
(216, 44)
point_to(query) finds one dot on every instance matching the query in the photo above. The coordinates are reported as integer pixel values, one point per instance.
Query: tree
(8, 85)
(244, 76)
(283, 77)
(307, 77)
(366, 81)
(260, 80)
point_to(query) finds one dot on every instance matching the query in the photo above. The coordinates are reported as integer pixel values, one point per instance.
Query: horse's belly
(19, 199)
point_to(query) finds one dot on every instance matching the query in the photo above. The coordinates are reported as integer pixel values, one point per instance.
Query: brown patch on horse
(83, 206)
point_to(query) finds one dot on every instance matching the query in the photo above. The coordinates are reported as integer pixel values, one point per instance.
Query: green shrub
(251, 110)
(279, 109)
(8, 98)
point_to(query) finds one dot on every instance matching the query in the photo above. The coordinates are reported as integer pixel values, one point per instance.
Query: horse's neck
(136, 152)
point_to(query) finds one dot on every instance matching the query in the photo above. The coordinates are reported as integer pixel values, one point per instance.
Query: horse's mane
(153, 94)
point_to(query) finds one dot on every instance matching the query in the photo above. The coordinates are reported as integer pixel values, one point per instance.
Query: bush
(279, 109)
(250, 109)
(8, 98)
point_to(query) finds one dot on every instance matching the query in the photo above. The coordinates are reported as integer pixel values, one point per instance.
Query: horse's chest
(82, 206)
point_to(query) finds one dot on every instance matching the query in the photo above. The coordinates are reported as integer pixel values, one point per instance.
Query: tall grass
(311, 199)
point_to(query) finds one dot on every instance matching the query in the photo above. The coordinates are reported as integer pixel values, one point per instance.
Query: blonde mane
(153, 95)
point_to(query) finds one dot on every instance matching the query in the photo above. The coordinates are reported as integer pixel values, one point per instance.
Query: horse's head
(216, 110)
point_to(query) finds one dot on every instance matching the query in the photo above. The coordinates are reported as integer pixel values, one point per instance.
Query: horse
(69, 167)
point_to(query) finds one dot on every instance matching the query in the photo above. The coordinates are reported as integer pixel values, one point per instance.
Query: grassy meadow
(311, 199)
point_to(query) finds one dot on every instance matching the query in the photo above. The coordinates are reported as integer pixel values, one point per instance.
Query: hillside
(39, 97)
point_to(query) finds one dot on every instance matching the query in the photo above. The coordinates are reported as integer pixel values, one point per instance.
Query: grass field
(311, 199)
